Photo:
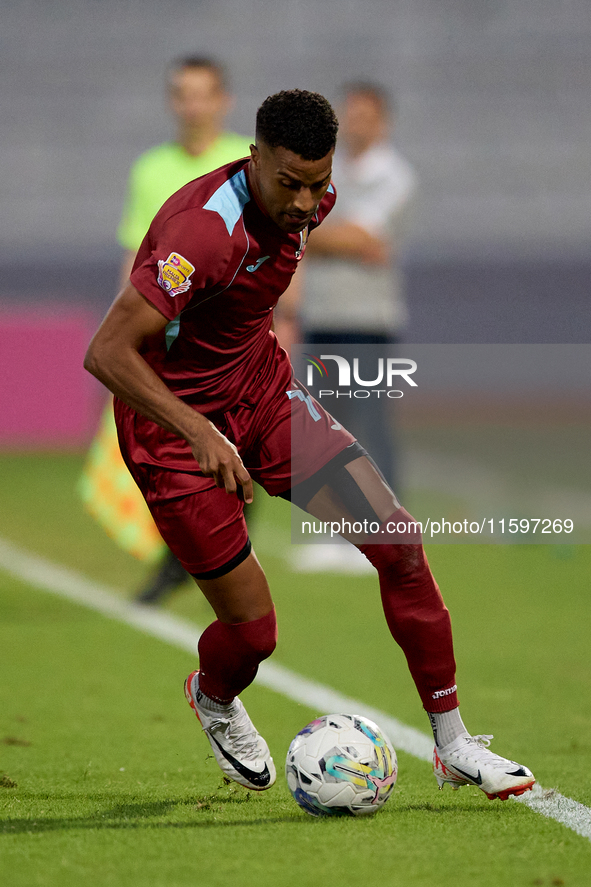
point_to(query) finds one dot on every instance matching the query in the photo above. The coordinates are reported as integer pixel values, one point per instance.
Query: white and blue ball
(341, 765)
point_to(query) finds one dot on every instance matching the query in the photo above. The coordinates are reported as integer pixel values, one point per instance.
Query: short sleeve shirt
(341, 293)
(159, 172)
(214, 264)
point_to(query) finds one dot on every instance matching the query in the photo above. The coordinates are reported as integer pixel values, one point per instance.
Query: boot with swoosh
(468, 761)
(239, 749)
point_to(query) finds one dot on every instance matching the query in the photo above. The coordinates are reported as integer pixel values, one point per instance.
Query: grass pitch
(106, 780)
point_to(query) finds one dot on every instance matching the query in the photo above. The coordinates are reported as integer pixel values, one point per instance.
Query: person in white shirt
(352, 290)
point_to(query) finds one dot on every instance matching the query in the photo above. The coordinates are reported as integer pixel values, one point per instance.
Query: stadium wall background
(492, 113)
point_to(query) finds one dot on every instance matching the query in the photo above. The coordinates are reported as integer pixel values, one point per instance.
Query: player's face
(197, 98)
(289, 187)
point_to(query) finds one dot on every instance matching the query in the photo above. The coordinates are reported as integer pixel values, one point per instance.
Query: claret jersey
(215, 264)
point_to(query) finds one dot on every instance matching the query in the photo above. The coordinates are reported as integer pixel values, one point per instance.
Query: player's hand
(218, 458)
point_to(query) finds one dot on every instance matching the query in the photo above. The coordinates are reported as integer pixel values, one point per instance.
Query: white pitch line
(184, 635)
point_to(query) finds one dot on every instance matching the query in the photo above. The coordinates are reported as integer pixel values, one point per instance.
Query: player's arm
(114, 358)
(343, 239)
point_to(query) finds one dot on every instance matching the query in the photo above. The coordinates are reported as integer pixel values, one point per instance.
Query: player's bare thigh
(327, 505)
(242, 595)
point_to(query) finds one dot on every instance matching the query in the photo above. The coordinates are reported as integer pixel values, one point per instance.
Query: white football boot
(467, 761)
(239, 749)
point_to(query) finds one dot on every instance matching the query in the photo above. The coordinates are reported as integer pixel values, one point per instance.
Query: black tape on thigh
(335, 475)
(302, 493)
(352, 496)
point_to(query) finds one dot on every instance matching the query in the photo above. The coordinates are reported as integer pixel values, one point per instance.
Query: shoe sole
(502, 795)
(507, 793)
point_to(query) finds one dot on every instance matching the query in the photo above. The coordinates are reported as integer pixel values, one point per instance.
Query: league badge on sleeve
(174, 274)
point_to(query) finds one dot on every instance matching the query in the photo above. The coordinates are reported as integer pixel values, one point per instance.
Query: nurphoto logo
(387, 372)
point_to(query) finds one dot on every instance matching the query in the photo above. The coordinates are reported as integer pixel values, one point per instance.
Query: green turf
(114, 784)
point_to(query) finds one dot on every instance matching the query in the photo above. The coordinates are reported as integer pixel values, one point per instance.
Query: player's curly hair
(303, 122)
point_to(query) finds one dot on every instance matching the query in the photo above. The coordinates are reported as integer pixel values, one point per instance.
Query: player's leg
(230, 651)
(356, 493)
(244, 633)
(332, 478)
(208, 534)
(205, 528)
(346, 486)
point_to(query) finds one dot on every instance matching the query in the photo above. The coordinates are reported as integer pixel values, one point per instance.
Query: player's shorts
(283, 437)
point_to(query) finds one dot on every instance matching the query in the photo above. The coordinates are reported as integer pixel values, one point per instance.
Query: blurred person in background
(199, 99)
(351, 289)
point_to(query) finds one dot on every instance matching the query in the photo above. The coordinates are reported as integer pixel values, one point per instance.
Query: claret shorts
(283, 437)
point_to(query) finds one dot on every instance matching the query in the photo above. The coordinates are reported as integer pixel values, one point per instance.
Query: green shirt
(160, 172)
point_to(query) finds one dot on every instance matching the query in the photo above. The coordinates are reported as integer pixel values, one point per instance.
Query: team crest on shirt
(303, 241)
(174, 274)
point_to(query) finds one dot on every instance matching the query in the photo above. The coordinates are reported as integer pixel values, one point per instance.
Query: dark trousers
(371, 421)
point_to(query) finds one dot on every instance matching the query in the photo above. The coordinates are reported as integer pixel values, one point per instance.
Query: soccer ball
(341, 765)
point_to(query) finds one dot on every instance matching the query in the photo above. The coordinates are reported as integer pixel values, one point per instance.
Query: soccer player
(206, 402)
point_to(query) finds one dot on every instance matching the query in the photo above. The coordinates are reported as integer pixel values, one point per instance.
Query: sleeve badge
(174, 274)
